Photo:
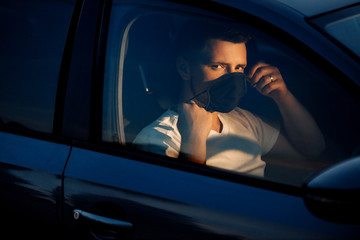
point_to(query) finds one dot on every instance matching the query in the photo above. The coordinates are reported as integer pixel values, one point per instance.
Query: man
(207, 127)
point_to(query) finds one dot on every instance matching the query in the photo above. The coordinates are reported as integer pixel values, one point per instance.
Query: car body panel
(30, 178)
(153, 196)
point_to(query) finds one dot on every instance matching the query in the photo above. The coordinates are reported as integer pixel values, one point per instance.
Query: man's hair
(195, 33)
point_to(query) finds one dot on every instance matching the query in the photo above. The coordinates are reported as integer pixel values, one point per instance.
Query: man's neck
(216, 123)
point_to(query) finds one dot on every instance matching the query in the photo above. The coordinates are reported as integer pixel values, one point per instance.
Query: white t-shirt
(239, 147)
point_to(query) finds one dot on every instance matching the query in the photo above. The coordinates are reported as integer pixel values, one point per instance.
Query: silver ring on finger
(271, 78)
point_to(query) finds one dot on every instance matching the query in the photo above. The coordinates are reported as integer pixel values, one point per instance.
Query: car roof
(311, 8)
(306, 8)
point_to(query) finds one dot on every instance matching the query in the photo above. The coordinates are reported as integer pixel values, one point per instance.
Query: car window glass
(142, 83)
(343, 25)
(347, 31)
(32, 43)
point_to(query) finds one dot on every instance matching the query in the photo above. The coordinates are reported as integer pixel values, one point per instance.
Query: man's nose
(231, 70)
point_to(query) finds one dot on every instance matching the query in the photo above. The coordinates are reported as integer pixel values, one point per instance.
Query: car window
(347, 31)
(32, 43)
(142, 88)
(343, 25)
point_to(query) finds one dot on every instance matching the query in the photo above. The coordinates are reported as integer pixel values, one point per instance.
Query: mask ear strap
(209, 99)
(193, 91)
(197, 95)
(206, 107)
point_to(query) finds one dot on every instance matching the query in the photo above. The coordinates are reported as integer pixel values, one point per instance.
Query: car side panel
(30, 182)
(166, 203)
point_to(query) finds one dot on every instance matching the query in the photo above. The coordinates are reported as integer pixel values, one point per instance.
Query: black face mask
(222, 94)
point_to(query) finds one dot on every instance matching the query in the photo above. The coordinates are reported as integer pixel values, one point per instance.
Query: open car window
(142, 83)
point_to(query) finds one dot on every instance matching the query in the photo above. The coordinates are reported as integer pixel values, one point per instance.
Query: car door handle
(93, 218)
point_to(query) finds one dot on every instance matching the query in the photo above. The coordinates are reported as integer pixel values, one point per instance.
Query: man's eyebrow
(224, 63)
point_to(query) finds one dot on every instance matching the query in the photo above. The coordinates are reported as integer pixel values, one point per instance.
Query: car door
(32, 158)
(113, 190)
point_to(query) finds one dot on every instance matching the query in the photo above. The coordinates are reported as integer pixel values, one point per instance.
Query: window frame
(213, 10)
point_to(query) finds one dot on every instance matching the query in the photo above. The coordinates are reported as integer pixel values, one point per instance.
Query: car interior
(150, 85)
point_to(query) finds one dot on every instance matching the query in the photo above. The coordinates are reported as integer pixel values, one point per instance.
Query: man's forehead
(217, 50)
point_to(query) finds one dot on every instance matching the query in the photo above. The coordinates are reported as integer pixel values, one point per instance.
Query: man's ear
(183, 68)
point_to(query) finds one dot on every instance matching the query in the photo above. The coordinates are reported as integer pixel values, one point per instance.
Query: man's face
(216, 59)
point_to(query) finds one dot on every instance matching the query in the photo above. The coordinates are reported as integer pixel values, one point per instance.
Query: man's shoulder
(169, 117)
(240, 113)
(164, 125)
(240, 117)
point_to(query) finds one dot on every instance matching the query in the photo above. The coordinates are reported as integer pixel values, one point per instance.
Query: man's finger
(255, 67)
(263, 73)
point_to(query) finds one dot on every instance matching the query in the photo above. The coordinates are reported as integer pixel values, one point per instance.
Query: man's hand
(268, 81)
(194, 125)
(301, 129)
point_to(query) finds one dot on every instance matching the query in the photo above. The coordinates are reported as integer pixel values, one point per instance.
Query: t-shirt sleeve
(265, 133)
(158, 139)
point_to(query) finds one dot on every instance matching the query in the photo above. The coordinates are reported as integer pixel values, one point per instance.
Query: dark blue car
(79, 79)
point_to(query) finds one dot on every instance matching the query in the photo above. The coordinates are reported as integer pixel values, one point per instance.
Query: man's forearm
(193, 149)
(301, 128)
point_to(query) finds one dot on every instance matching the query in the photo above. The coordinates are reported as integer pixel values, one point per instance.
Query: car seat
(150, 82)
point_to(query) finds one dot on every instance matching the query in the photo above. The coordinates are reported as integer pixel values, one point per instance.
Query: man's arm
(194, 125)
(300, 127)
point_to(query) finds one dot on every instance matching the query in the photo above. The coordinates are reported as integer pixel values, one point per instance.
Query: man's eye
(241, 68)
(217, 66)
